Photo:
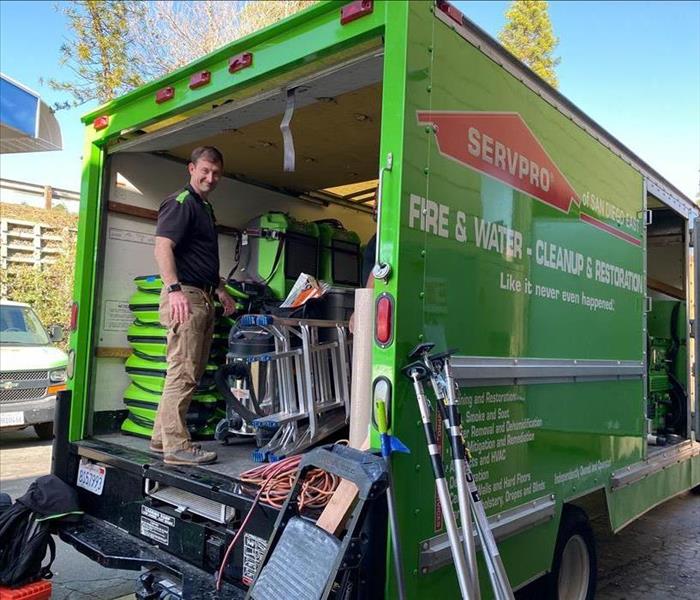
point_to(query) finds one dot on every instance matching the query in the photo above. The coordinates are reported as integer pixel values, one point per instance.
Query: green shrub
(49, 288)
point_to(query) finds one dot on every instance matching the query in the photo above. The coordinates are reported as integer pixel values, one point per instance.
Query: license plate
(91, 477)
(11, 418)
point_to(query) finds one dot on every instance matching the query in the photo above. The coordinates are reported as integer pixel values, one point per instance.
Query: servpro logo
(501, 145)
(510, 162)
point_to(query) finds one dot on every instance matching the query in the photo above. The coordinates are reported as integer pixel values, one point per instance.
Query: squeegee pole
(497, 572)
(451, 423)
(443, 492)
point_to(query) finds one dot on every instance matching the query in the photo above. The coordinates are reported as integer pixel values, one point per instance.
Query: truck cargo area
(669, 373)
(300, 155)
(333, 132)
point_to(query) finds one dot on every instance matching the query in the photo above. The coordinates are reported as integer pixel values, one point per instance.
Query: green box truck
(510, 226)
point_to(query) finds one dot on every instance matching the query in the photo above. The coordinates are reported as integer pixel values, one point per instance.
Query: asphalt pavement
(657, 557)
(23, 458)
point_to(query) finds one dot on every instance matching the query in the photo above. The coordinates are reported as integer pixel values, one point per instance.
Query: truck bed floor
(233, 460)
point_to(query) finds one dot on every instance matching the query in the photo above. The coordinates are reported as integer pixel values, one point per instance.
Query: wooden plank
(107, 352)
(134, 211)
(152, 215)
(664, 288)
(338, 509)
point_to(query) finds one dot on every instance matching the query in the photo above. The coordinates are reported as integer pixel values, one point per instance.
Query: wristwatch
(174, 287)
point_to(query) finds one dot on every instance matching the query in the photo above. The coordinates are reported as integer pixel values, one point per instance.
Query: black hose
(236, 255)
(679, 402)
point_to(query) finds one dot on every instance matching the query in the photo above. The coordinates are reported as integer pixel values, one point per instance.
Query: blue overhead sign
(26, 123)
(19, 108)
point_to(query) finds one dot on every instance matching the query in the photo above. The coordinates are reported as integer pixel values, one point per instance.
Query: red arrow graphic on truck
(503, 146)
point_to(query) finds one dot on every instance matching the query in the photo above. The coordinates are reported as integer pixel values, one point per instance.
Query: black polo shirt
(188, 220)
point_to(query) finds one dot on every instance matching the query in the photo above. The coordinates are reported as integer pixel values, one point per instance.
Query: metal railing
(33, 190)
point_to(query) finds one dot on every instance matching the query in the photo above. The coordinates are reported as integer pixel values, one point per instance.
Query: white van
(32, 370)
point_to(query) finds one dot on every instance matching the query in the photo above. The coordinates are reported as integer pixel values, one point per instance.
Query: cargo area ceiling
(335, 128)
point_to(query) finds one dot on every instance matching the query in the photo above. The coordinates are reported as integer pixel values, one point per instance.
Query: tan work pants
(188, 352)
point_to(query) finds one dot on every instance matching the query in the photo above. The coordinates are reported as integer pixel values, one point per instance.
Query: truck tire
(44, 430)
(574, 569)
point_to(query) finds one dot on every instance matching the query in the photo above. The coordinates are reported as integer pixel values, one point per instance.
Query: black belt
(207, 288)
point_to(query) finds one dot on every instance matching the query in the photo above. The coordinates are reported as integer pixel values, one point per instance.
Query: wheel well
(595, 506)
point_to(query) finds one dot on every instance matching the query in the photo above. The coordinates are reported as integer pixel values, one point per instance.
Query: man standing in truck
(187, 253)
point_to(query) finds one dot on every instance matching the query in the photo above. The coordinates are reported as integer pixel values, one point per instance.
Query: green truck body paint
(514, 228)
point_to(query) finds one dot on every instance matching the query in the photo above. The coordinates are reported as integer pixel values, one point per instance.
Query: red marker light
(355, 10)
(240, 61)
(74, 316)
(101, 122)
(383, 320)
(167, 93)
(199, 79)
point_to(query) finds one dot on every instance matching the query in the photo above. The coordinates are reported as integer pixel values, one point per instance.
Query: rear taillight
(74, 316)
(383, 332)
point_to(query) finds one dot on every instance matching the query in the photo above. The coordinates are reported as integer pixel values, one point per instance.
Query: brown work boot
(192, 455)
(157, 446)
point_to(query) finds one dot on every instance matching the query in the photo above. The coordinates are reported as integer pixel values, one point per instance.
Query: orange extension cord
(276, 481)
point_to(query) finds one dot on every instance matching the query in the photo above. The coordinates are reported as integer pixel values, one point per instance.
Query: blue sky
(634, 67)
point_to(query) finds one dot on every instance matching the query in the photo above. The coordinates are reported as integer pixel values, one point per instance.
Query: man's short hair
(207, 153)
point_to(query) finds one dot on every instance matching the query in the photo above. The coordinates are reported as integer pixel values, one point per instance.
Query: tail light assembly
(384, 320)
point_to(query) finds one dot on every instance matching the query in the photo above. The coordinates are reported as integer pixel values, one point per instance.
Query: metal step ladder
(310, 372)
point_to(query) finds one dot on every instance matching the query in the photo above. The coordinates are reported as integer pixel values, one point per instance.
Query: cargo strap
(289, 156)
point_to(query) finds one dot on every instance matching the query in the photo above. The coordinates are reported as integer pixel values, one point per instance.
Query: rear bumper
(116, 549)
(126, 527)
(34, 411)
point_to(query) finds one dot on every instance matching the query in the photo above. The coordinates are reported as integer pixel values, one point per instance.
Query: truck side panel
(520, 239)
